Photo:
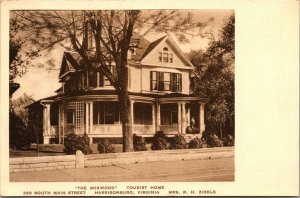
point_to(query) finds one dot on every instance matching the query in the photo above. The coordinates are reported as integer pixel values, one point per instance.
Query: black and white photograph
(122, 95)
(108, 98)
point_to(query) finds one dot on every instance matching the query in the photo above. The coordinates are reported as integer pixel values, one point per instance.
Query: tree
(101, 36)
(18, 105)
(16, 63)
(215, 79)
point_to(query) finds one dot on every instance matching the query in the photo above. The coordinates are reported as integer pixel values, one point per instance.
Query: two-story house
(159, 89)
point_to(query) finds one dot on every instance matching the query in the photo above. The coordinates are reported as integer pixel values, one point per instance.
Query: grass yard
(56, 149)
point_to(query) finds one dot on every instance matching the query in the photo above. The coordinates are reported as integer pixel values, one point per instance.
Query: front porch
(101, 119)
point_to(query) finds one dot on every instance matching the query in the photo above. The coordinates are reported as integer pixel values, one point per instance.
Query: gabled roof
(141, 44)
(172, 43)
(70, 63)
(38, 102)
(152, 46)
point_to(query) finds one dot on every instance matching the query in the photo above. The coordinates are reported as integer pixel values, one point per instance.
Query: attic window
(165, 56)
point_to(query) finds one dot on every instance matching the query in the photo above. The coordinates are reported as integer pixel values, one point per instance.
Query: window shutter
(151, 80)
(101, 79)
(180, 82)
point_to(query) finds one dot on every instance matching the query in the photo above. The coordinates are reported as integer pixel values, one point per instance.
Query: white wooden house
(159, 89)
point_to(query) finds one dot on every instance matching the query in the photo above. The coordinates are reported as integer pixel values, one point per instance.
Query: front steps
(189, 137)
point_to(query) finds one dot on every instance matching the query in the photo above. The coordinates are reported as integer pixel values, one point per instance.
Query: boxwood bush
(139, 143)
(73, 142)
(195, 143)
(105, 147)
(211, 139)
(160, 141)
(178, 142)
(228, 141)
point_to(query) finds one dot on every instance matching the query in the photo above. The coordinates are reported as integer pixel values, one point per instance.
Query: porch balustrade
(143, 129)
(169, 129)
(107, 129)
(71, 128)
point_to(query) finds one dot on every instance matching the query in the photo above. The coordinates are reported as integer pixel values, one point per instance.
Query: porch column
(153, 118)
(179, 117)
(91, 117)
(62, 120)
(46, 123)
(183, 125)
(132, 116)
(201, 117)
(157, 117)
(59, 124)
(188, 116)
(86, 117)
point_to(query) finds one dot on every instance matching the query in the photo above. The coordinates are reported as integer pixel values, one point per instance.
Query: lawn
(55, 149)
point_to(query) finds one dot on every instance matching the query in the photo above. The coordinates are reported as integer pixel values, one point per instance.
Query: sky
(41, 82)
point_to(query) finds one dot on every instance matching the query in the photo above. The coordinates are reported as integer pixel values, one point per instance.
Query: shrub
(19, 137)
(105, 147)
(159, 141)
(178, 142)
(228, 141)
(74, 142)
(195, 143)
(139, 143)
(211, 139)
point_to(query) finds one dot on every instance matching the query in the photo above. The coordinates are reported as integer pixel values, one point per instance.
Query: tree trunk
(125, 107)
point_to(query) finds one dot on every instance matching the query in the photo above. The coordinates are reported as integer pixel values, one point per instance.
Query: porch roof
(38, 101)
(160, 96)
(148, 95)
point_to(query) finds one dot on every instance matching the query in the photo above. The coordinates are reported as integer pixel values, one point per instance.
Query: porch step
(189, 137)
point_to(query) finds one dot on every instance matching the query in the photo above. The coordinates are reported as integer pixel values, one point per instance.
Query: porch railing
(71, 128)
(140, 129)
(107, 129)
(169, 129)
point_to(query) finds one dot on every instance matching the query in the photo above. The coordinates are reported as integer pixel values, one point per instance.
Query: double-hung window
(103, 81)
(165, 81)
(165, 56)
(92, 78)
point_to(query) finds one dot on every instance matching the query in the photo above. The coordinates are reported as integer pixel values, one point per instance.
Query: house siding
(134, 79)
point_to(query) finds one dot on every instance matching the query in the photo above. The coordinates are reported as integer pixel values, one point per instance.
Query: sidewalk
(220, 169)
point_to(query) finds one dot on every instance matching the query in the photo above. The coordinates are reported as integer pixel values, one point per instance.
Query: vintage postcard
(140, 98)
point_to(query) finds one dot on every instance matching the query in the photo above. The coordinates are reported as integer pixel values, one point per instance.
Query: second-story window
(165, 81)
(70, 85)
(92, 78)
